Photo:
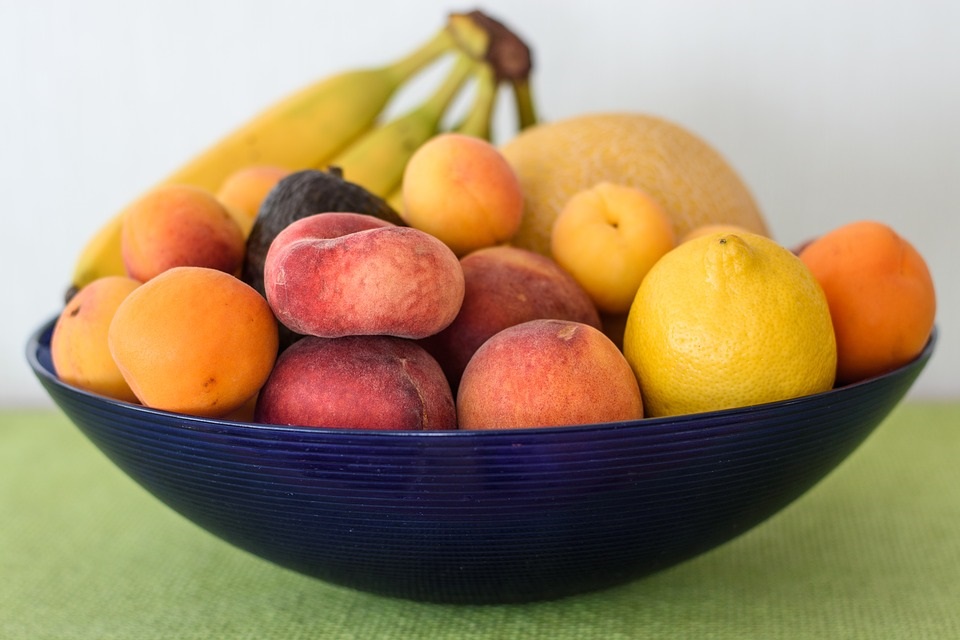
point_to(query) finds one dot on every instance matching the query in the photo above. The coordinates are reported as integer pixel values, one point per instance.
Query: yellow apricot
(461, 190)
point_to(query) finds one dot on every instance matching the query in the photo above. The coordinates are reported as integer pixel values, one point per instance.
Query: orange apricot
(194, 340)
(78, 345)
(881, 296)
(245, 190)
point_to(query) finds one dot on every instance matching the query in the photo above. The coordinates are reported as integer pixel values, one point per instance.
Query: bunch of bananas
(340, 121)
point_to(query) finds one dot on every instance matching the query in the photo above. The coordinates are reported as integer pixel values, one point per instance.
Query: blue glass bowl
(483, 517)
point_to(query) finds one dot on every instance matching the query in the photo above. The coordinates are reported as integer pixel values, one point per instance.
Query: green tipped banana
(301, 131)
(314, 124)
(377, 160)
(479, 119)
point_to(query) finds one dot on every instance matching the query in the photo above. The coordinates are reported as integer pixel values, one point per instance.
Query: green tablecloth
(872, 552)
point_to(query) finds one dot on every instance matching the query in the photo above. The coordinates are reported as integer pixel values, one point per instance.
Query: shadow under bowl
(483, 516)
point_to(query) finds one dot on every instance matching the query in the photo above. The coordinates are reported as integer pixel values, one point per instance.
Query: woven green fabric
(871, 552)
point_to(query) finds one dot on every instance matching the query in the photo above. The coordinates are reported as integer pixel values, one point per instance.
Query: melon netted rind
(692, 182)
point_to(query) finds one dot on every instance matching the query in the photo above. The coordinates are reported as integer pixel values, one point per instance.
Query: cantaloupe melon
(692, 182)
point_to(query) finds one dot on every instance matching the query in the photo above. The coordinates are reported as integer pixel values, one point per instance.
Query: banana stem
(478, 120)
(469, 35)
(505, 52)
(422, 56)
(526, 111)
(503, 49)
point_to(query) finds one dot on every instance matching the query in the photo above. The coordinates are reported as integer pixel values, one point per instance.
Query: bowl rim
(40, 338)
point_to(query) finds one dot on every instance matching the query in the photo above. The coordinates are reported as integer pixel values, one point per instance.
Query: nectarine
(547, 373)
(505, 286)
(360, 382)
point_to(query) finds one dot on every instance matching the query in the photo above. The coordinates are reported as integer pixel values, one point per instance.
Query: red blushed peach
(462, 190)
(395, 281)
(505, 286)
(323, 225)
(179, 226)
(359, 382)
(547, 373)
(328, 225)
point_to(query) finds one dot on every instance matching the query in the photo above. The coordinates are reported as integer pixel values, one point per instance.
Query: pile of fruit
(322, 266)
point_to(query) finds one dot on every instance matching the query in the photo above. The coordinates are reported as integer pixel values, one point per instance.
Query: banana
(376, 161)
(333, 122)
(100, 257)
(479, 119)
(313, 124)
(395, 200)
(304, 130)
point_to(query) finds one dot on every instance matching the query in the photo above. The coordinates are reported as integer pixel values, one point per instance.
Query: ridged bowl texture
(489, 516)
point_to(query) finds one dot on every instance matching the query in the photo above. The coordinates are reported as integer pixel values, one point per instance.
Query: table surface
(873, 551)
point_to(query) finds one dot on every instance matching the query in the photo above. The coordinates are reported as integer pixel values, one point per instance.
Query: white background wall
(831, 110)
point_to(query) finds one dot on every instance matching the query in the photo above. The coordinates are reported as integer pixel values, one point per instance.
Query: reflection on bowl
(489, 516)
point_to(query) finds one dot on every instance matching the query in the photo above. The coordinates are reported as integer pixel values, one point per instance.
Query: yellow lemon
(729, 320)
(707, 229)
